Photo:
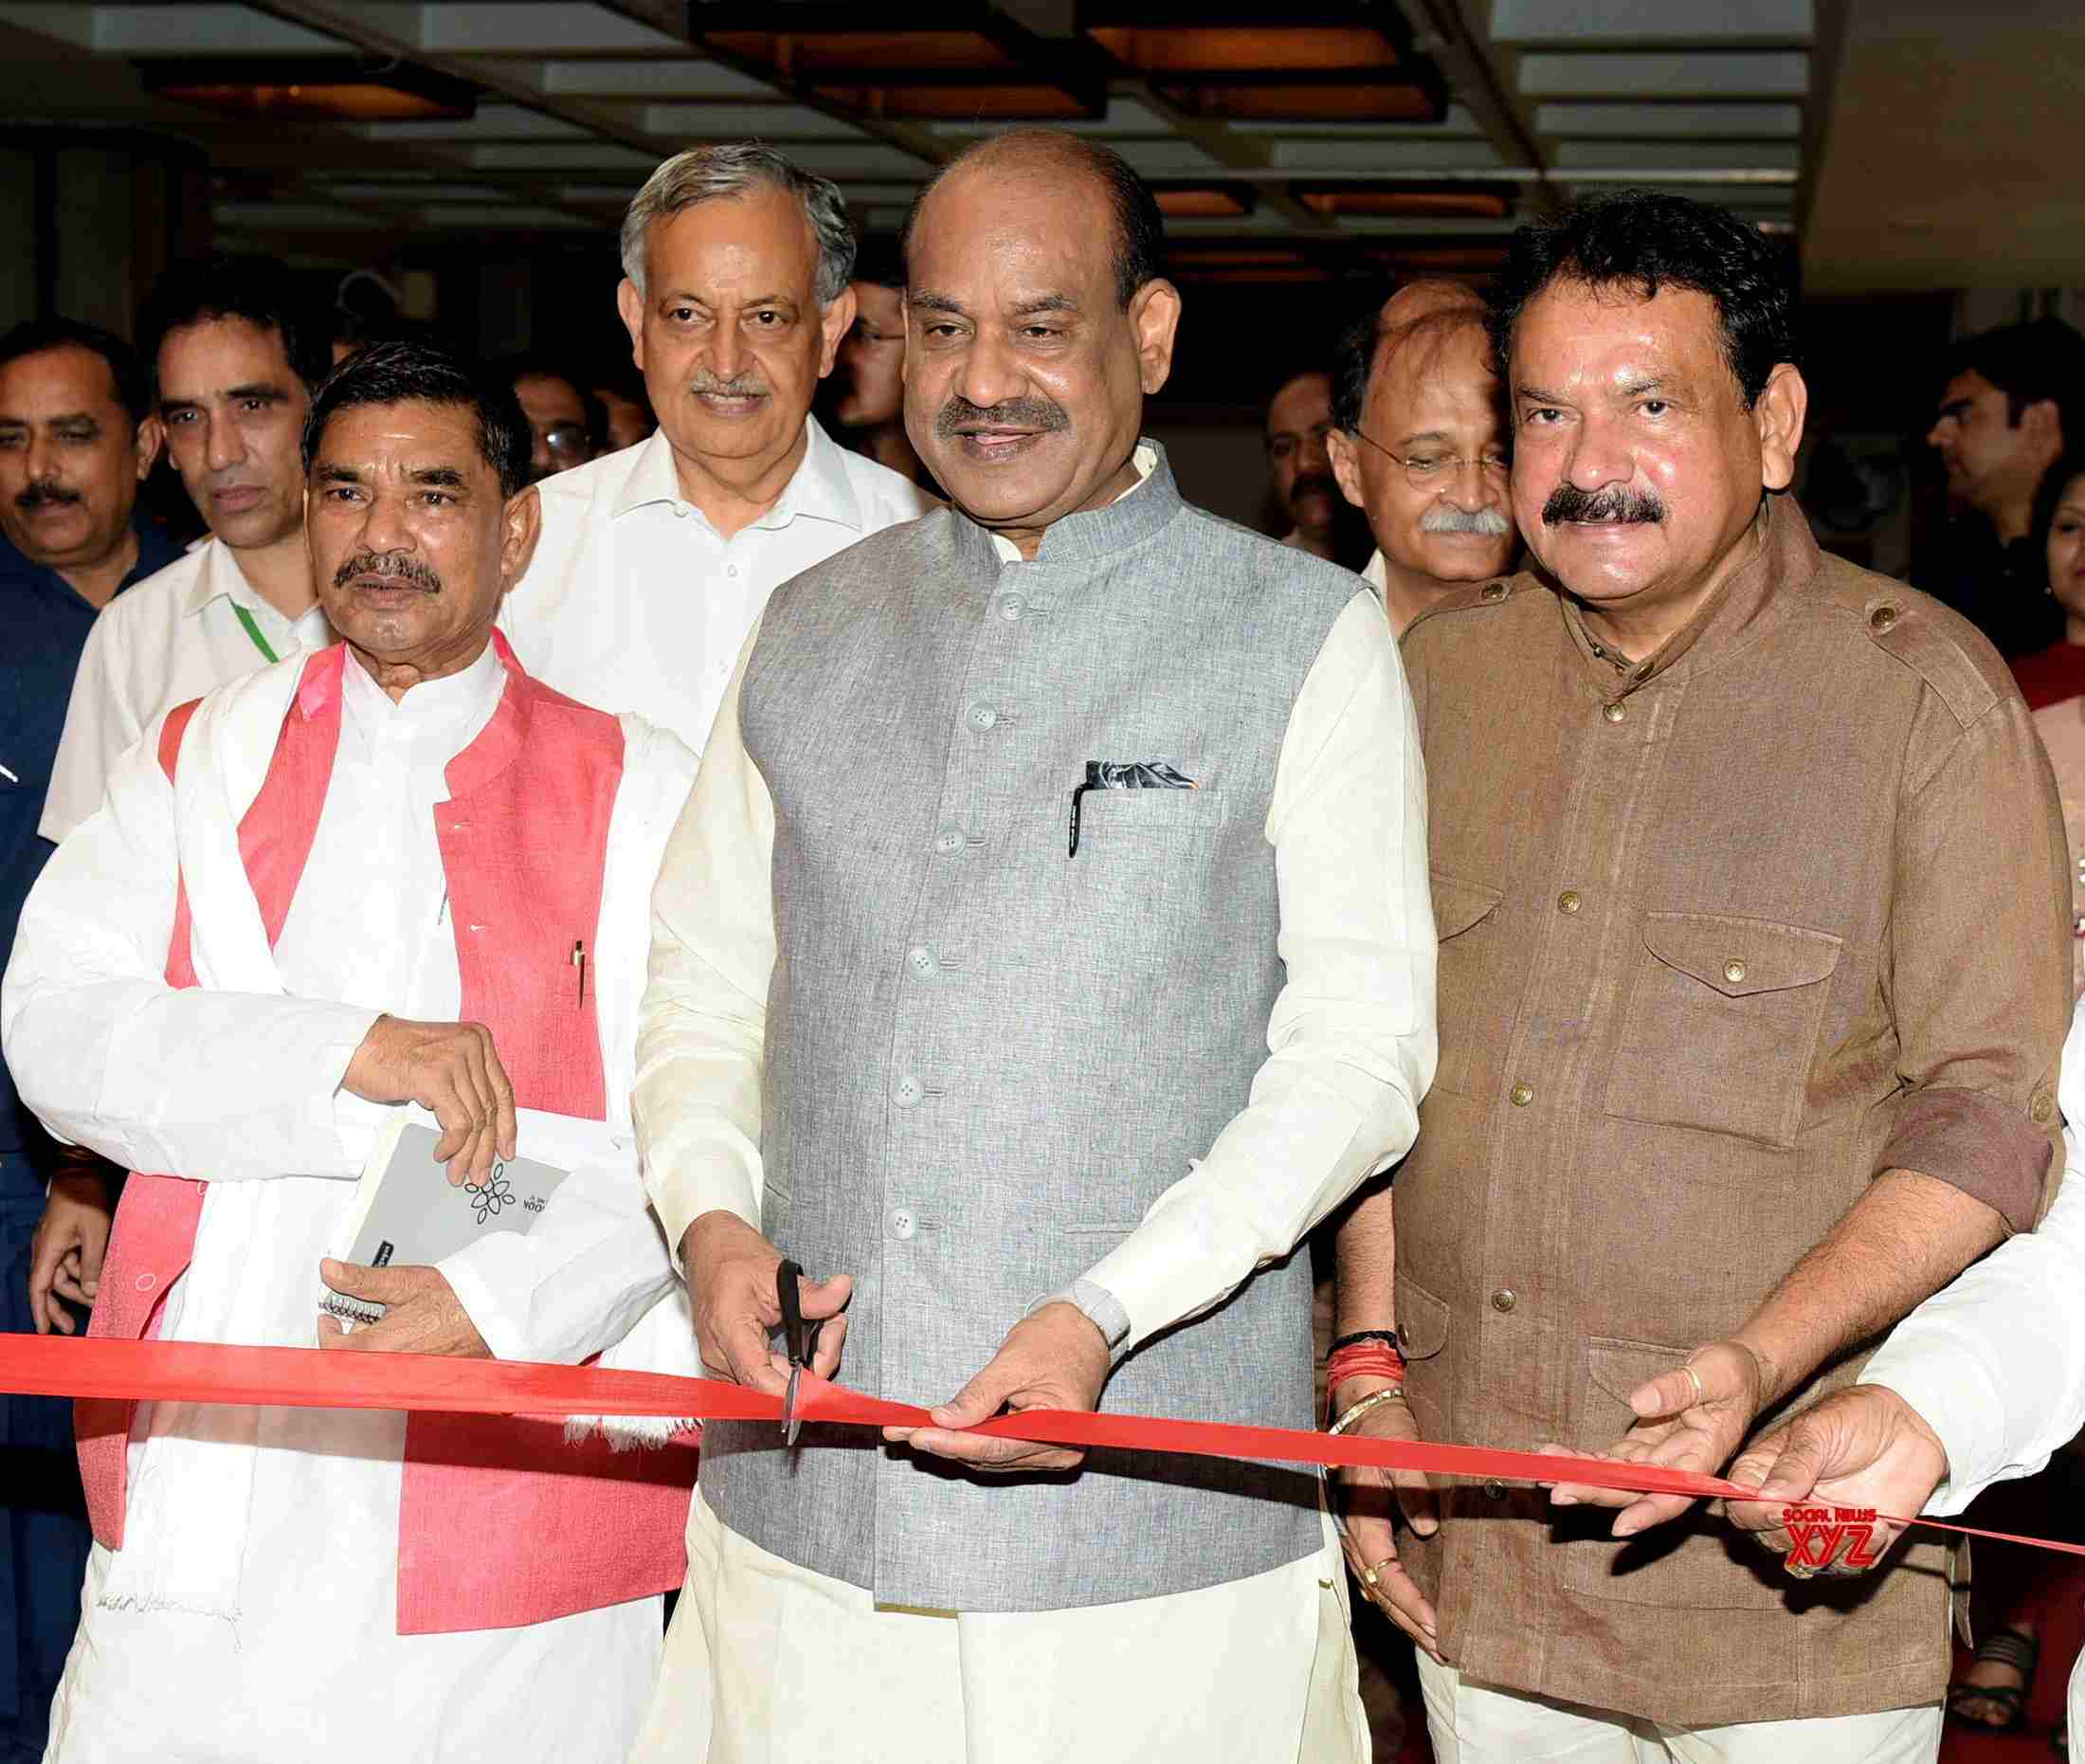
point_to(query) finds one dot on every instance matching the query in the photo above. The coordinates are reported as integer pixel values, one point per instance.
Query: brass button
(1522, 1094)
(1493, 590)
(1882, 618)
(1568, 901)
(2042, 1107)
(1733, 971)
(1614, 713)
(1495, 1489)
(1505, 1298)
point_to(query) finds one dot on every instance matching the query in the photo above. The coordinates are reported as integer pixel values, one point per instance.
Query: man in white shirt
(1418, 445)
(235, 357)
(655, 562)
(346, 882)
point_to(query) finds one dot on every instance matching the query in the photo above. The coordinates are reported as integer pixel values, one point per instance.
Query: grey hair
(732, 168)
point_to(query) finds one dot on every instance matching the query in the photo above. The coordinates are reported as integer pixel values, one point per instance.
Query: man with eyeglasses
(1418, 446)
(565, 422)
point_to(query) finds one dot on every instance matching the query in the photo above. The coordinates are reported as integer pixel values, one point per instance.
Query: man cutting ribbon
(995, 1092)
(343, 883)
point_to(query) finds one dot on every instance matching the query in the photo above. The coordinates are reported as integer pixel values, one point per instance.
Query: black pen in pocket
(1127, 774)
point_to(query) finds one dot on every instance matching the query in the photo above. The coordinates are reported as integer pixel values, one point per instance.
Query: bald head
(1419, 312)
(1050, 156)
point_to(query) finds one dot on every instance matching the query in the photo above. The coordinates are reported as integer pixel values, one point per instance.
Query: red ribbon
(311, 1378)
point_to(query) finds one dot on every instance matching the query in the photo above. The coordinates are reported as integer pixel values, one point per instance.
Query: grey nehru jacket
(985, 1059)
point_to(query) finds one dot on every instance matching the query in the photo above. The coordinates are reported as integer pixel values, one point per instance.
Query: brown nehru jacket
(1723, 937)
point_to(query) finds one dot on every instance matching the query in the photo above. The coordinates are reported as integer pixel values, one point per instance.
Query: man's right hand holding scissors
(730, 1272)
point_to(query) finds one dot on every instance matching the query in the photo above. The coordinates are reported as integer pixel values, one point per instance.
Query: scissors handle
(799, 1339)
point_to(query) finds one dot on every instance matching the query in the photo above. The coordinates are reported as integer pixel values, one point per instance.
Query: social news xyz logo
(1818, 1534)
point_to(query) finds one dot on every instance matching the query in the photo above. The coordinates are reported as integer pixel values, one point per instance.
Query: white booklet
(407, 1213)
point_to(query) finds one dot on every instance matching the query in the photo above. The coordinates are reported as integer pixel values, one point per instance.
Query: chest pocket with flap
(1466, 923)
(1722, 1024)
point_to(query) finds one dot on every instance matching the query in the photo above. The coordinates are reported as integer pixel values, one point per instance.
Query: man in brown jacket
(1749, 878)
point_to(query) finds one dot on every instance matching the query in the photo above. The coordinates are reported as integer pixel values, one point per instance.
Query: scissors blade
(791, 1424)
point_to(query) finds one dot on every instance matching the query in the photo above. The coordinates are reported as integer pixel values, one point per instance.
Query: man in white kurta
(654, 562)
(252, 1611)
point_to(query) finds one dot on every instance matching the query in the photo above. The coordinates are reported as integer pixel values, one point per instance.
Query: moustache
(1618, 508)
(43, 495)
(409, 571)
(738, 386)
(1447, 517)
(1038, 413)
(1314, 484)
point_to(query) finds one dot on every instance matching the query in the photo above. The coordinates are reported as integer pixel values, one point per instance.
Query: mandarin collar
(1096, 534)
(1785, 558)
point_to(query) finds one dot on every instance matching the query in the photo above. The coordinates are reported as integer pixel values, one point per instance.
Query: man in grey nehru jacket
(1045, 948)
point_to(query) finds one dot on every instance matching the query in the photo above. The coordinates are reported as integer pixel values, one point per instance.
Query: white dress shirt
(243, 1088)
(1995, 1361)
(1345, 1070)
(635, 602)
(174, 637)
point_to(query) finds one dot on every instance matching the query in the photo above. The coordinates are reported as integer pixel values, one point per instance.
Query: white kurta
(309, 1665)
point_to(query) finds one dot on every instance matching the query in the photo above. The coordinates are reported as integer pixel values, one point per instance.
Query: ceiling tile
(1703, 74)
(1667, 122)
(1648, 22)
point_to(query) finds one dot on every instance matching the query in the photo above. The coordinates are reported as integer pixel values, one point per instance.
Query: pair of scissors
(799, 1342)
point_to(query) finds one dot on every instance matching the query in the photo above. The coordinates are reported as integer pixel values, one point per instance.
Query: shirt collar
(219, 577)
(1377, 575)
(1787, 559)
(818, 489)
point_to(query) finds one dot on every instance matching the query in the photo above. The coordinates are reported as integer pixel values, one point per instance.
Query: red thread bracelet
(1365, 1360)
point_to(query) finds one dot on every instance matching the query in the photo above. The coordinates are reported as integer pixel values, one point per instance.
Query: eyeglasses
(1437, 471)
(567, 440)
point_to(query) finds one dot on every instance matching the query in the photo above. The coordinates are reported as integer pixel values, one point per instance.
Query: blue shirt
(43, 626)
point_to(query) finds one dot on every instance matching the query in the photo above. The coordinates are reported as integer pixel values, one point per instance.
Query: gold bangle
(1375, 1399)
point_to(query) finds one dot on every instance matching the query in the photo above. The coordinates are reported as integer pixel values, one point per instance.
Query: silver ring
(1694, 1378)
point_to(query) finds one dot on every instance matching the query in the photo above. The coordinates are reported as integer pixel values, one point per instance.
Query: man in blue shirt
(76, 437)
